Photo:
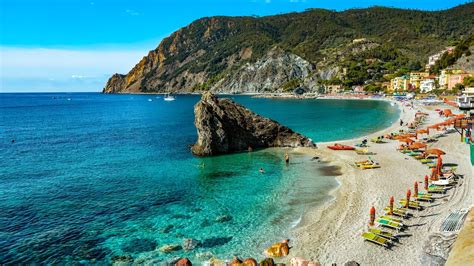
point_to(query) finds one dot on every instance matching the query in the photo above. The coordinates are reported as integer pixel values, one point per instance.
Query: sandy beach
(332, 233)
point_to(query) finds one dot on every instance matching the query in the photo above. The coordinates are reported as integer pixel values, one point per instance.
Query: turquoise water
(93, 176)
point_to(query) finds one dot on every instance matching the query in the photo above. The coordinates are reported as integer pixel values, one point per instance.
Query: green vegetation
(291, 85)
(448, 59)
(401, 41)
(468, 82)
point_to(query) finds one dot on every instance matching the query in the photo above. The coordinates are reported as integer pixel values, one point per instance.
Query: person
(261, 170)
(287, 158)
(249, 149)
(401, 122)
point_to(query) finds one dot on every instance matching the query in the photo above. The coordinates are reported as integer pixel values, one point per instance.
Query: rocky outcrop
(224, 126)
(268, 74)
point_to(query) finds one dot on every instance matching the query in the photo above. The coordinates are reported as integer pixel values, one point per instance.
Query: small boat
(150, 100)
(341, 147)
(169, 98)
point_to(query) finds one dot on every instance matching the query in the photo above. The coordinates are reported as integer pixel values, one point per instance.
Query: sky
(75, 45)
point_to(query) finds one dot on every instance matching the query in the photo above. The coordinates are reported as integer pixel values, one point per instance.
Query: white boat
(150, 100)
(169, 98)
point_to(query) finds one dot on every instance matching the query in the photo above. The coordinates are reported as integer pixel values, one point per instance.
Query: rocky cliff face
(224, 126)
(268, 74)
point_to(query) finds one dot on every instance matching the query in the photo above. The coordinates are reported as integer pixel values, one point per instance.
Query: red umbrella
(408, 198)
(416, 190)
(372, 216)
(391, 205)
(426, 182)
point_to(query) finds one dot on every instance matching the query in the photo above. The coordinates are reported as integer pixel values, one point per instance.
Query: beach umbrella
(391, 205)
(372, 216)
(408, 198)
(439, 164)
(416, 190)
(426, 182)
(447, 112)
(434, 174)
(407, 140)
(435, 152)
(417, 145)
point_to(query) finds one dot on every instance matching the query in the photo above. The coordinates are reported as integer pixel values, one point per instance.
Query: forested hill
(281, 52)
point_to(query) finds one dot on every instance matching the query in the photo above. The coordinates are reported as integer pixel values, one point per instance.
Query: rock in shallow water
(224, 126)
(223, 218)
(170, 248)
(190, 244)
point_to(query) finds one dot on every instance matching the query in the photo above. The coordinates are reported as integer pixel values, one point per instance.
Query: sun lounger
(444, 182)
(390, 224)
(388, 217)
(436, 189)
(412, 205)
(382, 233)
(424, 197)
(369, 166)
(397, 212)
(426, 161)
(371, 237)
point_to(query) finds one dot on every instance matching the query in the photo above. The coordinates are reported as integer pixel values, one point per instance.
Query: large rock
(224, 126)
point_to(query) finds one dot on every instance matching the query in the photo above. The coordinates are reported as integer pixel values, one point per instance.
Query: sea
(97, 178)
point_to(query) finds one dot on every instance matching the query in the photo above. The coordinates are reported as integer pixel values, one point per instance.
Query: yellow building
(399, 84)
(416, 78)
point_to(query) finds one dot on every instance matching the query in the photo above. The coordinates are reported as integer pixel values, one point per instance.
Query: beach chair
(369, 166)
(390, 224)
(393, 219)
(436, 189)
(426, 161)
(424, 197)
(384, 234)
(371, 237)
(397, 212)
(412, 205)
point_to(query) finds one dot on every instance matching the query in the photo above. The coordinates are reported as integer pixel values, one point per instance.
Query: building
(427, 85)
(432, 59)
(358, 89)
(399, 84)
(450, 77)
(416, 78)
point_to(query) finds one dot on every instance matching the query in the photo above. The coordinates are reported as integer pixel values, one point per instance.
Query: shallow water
(93, 176)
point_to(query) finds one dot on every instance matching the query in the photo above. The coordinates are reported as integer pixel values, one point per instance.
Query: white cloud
(40, 69)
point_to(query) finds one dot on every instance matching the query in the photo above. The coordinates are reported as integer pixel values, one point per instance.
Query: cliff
(224, 126)
(282, 52)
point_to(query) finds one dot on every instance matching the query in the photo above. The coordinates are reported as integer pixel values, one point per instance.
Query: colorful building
(427, 85)
(399, 84)
(416, 78)
(450, 77)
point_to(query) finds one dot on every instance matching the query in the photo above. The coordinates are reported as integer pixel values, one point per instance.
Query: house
(416, 78)
(450, 77)
(358, 89)
(333, 89)
(432, 59)
(399, 84)
(427, 85)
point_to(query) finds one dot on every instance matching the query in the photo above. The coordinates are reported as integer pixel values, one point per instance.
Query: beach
(332, 233)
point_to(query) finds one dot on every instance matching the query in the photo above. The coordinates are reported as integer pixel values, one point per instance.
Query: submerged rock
(167, 229)
(170, 248)
(190, 244)
(224, 126)
(139, 245)
(267, 262)
(223, 218)
(122, 259)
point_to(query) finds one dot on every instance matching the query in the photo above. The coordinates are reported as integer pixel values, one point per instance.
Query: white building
(427, 85)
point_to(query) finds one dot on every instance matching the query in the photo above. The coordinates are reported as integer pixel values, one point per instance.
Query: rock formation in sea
(224, 126)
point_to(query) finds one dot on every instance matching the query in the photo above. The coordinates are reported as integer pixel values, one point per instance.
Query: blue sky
(74, 45)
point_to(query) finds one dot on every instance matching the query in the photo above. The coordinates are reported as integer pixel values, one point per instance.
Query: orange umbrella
(417, 145)
(408, 141)
(372, 216)
(435, 152)
(426, 182)
(439, 165)
(391, 205)
(416, 190)
(408, 198)
(447, 112)
(434, 174)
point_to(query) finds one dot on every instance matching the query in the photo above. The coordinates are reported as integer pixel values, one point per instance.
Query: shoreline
(327, 232)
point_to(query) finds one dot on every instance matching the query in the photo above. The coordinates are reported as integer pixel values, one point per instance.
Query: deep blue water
(92, 176)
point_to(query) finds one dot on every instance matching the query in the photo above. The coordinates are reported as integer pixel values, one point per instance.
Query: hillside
(276, 53)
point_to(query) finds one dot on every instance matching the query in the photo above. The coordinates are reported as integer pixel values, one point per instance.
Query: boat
(169, 98)
(341, 147)
(150, 100)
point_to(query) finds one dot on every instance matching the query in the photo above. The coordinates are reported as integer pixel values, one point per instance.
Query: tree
(468, 82)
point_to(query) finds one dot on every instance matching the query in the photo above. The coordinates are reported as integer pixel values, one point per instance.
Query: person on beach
(287, 158)
(401, 122)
